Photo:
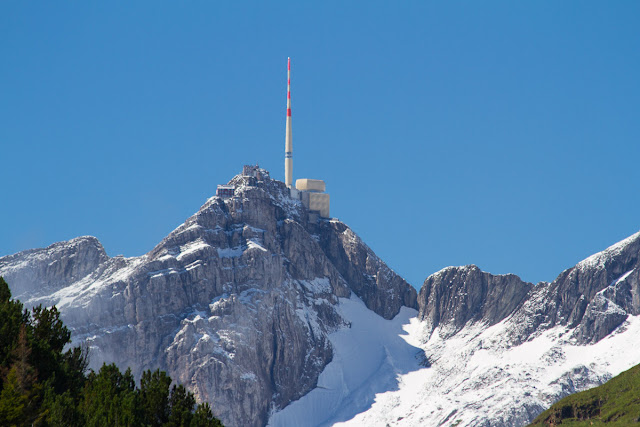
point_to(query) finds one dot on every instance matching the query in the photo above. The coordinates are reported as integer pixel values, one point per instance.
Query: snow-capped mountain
(498, 351)
(275, 319)
(236, 303)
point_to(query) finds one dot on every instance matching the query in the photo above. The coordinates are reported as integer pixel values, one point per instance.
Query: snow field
(476, 376)
(368, 358)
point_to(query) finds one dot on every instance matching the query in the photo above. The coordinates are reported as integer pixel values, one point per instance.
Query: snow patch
(368, 358)
(191, 248)
(476, 376)
(253, 244)
(597, 260)
(230, 252)
(319, 285)
(624, 276)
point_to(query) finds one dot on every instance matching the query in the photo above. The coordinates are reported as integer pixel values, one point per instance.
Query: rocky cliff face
(37, 272)
(456, 296)
(502, 350)
(380, 288)
(593, 298)
(236, 303)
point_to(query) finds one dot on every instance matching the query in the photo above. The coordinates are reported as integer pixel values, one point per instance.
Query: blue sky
(504, 134)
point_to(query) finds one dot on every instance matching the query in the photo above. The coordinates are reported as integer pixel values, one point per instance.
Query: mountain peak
(238, 301)
(42, 271)
(454, 296)
(598, 260)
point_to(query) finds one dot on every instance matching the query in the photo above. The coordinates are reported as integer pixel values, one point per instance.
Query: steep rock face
(38, 272)
(372, 280)
(456, 296)
(593, 298)
(236, 303)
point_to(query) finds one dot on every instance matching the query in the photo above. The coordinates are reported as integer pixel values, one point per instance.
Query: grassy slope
(615, 403)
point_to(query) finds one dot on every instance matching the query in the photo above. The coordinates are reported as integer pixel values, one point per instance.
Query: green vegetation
(615, 403)
(42, 385)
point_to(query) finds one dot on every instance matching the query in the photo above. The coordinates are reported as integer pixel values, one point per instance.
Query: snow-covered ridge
(265, 314)
(16, 262)
(501, 366)
(477, 376)
(40, 272)
(597, 260)
(237, 303)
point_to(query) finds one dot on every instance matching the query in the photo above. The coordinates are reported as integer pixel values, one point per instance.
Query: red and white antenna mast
(288, 149)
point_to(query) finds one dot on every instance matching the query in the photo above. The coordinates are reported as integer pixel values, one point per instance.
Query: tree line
(41, 384)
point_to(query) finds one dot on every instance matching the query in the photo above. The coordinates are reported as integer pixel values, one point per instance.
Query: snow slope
(369, 358)
(479, 376)
(476, 379)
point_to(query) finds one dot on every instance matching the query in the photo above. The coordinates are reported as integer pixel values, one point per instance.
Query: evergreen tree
(12, 317)
(203, 417)
(48, 338)
(61, 410)
(13, 402)
(109, 398)
(181, 403)
(5, 292)
(154, 397)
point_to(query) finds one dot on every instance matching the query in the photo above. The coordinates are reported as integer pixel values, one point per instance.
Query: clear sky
(503, 134)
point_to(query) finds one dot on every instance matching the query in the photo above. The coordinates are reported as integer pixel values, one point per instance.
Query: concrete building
(313, 197)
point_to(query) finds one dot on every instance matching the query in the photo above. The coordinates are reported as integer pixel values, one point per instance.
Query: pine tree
(154, 397)
(181, 405)
(61, 410)
(13, 401)
(12, 316)
(110, 398)
(203, 417)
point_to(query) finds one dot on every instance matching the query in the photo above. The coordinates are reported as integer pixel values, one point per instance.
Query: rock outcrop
(236, 303)
(502, 350)
(40, 272)
(381, 289)
(593, 298)
(239, 301)
(455, 296)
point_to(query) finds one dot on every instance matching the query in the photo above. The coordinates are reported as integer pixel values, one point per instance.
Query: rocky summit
(591, 299)
(277, 317)
(236, 303)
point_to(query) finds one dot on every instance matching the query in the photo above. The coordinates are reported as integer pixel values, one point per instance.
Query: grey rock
(381, 289)
(38, 272)
(593, 298)
(578, 379)
(584, 304)
(455, 296)
(601, 317)
(236, 303)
